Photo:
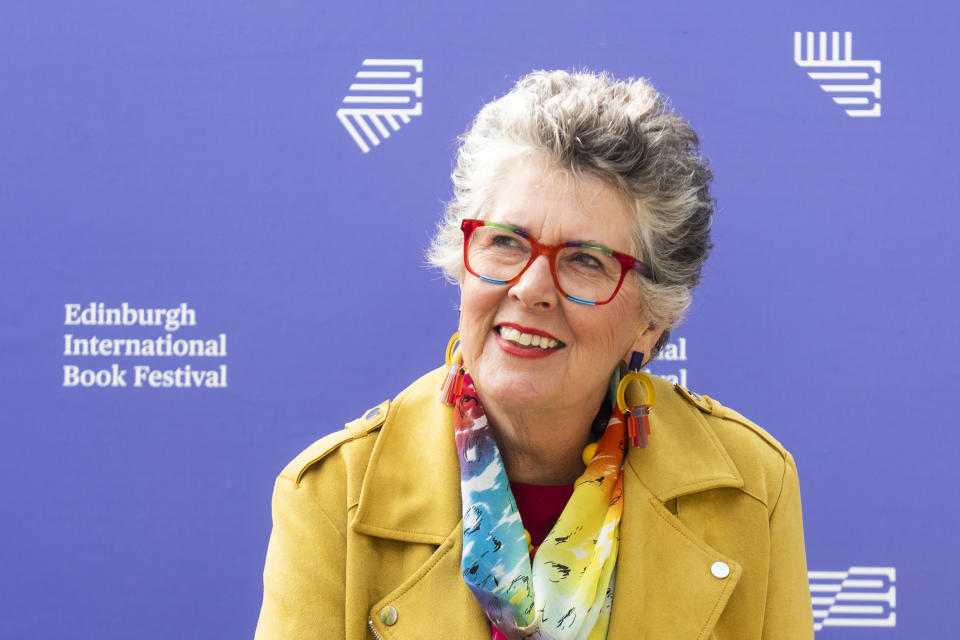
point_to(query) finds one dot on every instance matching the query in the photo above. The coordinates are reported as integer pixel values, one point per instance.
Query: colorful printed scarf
(567, 590)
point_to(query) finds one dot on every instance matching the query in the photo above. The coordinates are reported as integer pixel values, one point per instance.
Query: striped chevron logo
(853, 84)
(857, 597)
(386, 92)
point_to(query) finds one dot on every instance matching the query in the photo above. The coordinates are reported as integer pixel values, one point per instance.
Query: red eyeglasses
(583, 272)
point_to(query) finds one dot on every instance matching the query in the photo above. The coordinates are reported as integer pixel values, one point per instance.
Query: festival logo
(857, 597)
(853, 84)
(386, 93)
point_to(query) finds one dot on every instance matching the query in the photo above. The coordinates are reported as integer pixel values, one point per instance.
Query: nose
(536, 288)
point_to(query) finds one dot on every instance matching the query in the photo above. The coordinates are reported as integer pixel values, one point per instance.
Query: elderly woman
(541, 485)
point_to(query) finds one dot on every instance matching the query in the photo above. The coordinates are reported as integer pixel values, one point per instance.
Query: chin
(512, 389)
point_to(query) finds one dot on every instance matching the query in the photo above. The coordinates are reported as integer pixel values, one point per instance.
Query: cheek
(595, 333)
(612, 332)
(472, 305)
(477, 307)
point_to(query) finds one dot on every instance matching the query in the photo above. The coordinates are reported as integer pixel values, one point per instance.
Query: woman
(527, 499)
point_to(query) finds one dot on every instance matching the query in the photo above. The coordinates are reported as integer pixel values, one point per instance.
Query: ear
(645, 341)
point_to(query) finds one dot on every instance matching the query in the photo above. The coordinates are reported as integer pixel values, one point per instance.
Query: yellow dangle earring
(453, 381)
(636, 411)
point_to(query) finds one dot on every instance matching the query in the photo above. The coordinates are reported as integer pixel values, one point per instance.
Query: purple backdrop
(183, 152)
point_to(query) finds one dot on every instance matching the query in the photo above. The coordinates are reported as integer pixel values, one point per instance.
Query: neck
(540, 446)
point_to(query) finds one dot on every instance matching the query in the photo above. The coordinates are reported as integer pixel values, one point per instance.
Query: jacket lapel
(411, 491)
(665, 573)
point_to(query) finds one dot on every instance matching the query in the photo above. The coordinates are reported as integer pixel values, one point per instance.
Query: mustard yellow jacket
(367, 531)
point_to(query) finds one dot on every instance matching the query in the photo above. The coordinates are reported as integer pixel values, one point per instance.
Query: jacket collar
(411, 491)
(684, 455)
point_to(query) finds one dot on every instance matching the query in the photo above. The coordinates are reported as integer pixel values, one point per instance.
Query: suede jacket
(367, 531)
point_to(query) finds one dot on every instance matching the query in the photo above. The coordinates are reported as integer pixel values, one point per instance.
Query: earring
(453, 381)
(636, 413)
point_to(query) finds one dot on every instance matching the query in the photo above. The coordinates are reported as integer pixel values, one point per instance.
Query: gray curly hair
(621, 132)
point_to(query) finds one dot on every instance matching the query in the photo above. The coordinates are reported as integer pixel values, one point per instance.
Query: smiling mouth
(529, 340)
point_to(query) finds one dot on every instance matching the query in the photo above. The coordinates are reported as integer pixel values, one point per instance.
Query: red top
(540, 506)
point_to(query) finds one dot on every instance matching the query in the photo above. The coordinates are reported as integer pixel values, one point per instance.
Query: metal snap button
(388, 616)
(720, 570)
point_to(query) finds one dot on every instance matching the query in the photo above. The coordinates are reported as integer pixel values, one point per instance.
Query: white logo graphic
(858, 597)
(384, 93)
(838, 72)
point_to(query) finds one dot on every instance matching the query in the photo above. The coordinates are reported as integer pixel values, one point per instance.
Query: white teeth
(527, 339)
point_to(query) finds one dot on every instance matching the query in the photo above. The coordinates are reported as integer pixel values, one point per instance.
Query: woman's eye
(586, 260)
(505, 241)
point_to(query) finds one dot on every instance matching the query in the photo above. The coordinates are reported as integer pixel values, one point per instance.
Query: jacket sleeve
(304, 574)
(789, 614)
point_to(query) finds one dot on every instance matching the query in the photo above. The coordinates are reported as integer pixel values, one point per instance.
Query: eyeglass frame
(627, 262)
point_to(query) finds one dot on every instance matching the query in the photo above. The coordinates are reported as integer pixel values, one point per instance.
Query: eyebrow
(522, 231)
(591, 245)
(519, 230)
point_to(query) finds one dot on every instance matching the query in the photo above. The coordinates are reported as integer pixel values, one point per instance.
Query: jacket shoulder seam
(726, 413)
(368, 423)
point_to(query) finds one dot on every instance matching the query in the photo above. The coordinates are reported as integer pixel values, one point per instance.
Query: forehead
(554, 205)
